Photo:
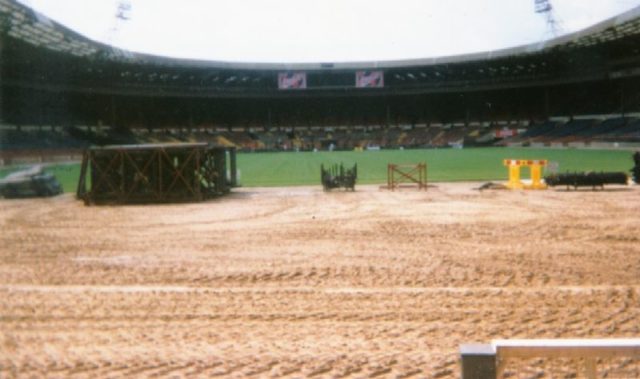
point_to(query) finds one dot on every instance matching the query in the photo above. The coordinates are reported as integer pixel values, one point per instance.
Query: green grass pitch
(279, 169)
(473, 164)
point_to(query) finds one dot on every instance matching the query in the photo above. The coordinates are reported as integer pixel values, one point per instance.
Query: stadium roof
(42, 55)
(25, 24)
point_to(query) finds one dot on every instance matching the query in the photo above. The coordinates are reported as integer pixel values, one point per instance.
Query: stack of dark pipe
(586, 179)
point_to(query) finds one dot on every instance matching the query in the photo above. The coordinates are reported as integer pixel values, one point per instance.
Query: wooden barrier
(409, 173)
(488, 360)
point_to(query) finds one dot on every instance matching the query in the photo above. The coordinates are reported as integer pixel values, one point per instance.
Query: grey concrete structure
(478, 361)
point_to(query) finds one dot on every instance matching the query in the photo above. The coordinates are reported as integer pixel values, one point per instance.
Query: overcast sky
(321, 30)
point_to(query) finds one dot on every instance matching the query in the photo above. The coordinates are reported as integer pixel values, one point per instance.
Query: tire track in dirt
(378, 284)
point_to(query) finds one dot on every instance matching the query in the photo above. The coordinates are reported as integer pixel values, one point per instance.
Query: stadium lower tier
(570, 132)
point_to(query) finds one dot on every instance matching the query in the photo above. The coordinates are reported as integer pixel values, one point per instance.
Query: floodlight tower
(123, 11)
(121, 16)
(545, 8)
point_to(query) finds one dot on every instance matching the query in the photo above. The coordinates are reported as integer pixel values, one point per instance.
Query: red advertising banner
(292, 80)
(504, 133)
(369, 79)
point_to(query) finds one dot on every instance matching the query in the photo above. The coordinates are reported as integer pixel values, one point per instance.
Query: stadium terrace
(55, 77)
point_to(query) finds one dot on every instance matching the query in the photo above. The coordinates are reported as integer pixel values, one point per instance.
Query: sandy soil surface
(295, 282)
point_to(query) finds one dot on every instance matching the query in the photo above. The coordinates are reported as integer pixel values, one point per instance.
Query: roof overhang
(23, 23)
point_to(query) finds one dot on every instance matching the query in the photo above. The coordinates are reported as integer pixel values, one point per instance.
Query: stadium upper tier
(38, 53)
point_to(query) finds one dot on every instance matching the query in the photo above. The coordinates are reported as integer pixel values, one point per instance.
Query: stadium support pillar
(233, 168)
(190, 121)
(113, 111)
(478, 361)
(622, 99)
(546, 103)
(388, 115)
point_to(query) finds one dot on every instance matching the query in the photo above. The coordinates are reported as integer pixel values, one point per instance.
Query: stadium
(278, 278)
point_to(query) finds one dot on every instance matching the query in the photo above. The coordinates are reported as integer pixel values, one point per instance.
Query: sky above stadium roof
(299, 31)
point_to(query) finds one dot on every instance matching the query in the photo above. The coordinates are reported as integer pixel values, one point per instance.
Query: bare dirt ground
(295, 282)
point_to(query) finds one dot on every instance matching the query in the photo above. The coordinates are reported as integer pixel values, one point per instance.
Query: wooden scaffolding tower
(155, 173)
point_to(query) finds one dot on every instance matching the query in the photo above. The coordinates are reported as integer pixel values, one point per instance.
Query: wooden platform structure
(155, 173)
(487, 361)
(407, 175)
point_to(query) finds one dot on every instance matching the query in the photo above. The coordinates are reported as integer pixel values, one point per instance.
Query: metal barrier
(336, 176)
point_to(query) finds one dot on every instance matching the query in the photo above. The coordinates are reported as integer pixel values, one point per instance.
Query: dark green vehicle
(38, 184)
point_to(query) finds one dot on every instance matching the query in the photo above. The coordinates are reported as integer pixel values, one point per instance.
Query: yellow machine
(535, 169)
